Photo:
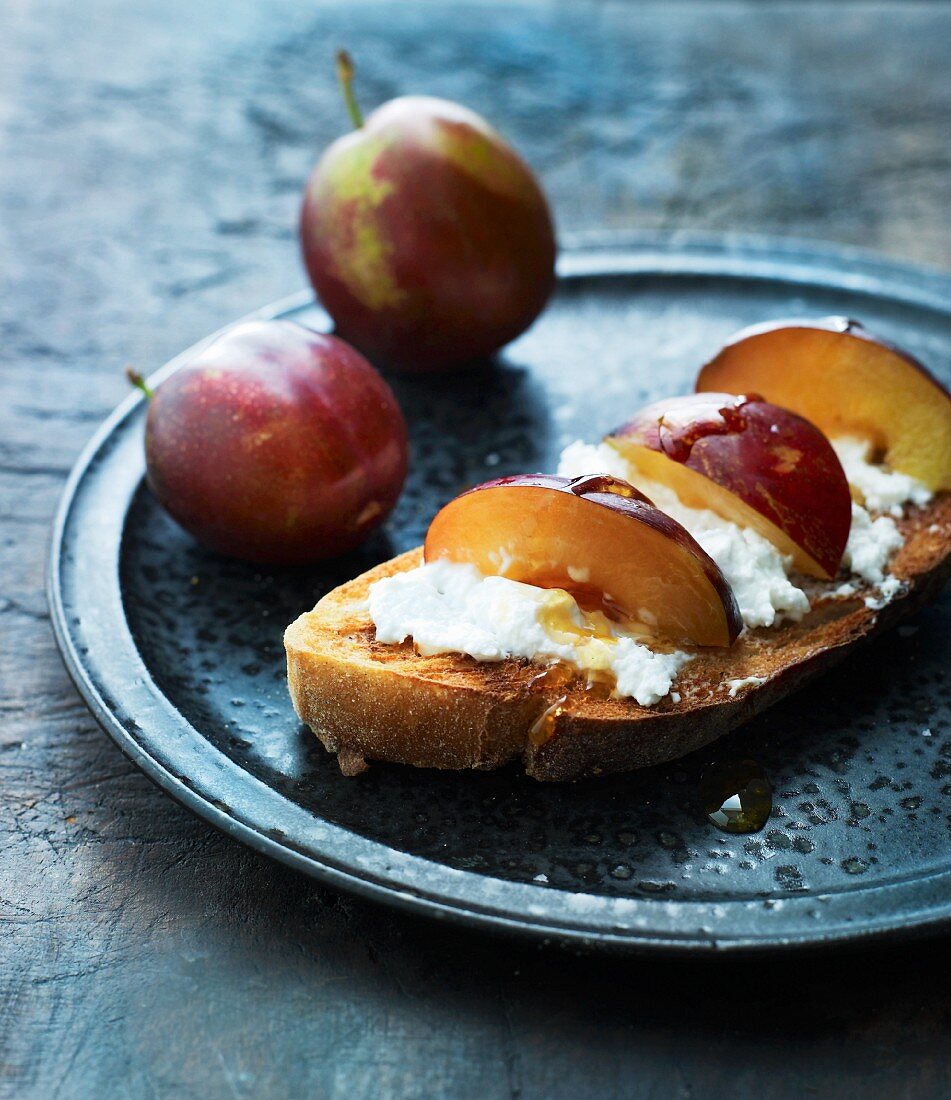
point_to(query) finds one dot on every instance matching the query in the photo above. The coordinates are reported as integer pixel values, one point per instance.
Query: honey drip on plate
(736, 796)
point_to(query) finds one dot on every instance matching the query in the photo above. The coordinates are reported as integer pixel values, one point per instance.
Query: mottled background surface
(151, 156)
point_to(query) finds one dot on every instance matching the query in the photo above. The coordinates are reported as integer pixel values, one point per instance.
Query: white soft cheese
(755, 570)
(872, 541)
(579, 459)
(447, 607)
(887, 591)
(744, 682)
(883, 490)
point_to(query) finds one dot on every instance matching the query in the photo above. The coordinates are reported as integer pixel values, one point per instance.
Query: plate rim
(602, 254)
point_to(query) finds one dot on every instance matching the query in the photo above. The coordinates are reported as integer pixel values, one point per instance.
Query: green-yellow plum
(426, 236)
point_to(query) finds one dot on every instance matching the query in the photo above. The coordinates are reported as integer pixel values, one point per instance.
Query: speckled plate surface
(179, 655)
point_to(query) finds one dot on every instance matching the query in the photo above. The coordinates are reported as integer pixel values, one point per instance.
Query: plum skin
(276, 444)
(426, 237)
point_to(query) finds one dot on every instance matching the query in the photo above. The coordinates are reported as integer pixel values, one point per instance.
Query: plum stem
(345, 76)
(139, 382)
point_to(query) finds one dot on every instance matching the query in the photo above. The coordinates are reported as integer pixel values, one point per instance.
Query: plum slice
(848, 382)
(751, 462)
(600, 539)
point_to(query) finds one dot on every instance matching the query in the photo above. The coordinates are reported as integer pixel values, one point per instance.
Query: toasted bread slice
(369, 701)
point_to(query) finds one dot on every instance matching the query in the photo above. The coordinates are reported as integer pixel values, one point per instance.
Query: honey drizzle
(543, 727)
(558, 676)
(600, 685)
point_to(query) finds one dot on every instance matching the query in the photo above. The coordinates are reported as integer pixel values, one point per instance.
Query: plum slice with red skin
(754, 464)
(600, 539)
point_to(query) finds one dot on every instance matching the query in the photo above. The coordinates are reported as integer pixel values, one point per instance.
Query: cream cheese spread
(449, 607)
(882, 490)
(745, 681)
(872, 541)
(756, 571)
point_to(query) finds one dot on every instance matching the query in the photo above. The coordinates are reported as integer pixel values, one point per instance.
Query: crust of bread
(369, 701)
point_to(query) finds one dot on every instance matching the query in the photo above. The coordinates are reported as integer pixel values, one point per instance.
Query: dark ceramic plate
(179, 655)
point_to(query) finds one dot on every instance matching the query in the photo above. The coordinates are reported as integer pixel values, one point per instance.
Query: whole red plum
(426, 236)
(276, 444)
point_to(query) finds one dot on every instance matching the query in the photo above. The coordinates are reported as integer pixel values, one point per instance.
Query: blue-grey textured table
(151, 156)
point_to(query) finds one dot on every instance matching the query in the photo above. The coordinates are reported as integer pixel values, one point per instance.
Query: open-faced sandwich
(668, 583)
